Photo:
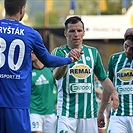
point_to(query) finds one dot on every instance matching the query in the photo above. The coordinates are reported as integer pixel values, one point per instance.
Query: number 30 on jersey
(11, 53)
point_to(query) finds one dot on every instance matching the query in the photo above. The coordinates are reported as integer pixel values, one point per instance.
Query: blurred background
(105, 22)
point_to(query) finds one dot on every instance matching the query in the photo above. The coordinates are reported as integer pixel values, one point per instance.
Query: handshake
(75, 54)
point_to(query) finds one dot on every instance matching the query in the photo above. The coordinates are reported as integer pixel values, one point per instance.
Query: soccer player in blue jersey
(16, 43)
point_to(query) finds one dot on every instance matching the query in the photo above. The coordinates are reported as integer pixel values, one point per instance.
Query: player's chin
(76, 43)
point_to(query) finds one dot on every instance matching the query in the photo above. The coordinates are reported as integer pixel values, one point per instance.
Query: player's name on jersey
(9, 30)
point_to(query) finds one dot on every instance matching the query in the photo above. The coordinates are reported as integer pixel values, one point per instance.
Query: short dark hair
(73, 20)
(12, 7)
(128, 34)
(129, 37)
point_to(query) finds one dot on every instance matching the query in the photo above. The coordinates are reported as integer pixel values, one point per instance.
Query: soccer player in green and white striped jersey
(77, 107)
(120, 70)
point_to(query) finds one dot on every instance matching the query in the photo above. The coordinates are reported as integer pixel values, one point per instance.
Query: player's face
(74, 35)
(128, 48)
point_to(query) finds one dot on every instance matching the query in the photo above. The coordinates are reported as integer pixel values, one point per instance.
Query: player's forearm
(108, 86)
(59, 72)
(54, 61)
(107, 92)
(104, 101)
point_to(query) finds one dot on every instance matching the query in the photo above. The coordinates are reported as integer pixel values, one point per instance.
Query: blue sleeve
(45, 57)
(53, 61)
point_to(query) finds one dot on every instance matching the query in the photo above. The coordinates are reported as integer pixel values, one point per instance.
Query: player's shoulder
(59, 49)
(117, 54)
(62, 47)
(89, 47)
(29, 29)
(25, 26)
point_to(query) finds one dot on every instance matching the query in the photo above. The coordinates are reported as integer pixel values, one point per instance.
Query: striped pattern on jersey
(120, 71)
(76, 94)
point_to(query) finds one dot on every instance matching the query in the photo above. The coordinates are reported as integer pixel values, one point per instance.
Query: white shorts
(120, 124)
(43, 123)
(73, 125)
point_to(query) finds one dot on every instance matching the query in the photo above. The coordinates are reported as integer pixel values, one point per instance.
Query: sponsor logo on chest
(80, 71)
(125, 89)
(80, 88)
(125, 74)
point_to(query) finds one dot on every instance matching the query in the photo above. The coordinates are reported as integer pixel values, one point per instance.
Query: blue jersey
(16, 43)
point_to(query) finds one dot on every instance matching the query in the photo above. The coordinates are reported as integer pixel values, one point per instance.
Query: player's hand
(115, 100)
(100, 120)
(75, 54)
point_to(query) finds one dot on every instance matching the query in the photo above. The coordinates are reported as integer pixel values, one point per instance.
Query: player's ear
(22, 9)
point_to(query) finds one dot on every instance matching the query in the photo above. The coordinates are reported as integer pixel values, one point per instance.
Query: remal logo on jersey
(80, 71)
(125, 74)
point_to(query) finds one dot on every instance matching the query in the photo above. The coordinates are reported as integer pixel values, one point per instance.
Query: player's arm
(54, 61)
(59, 72)
(45, 57)
(108, 92)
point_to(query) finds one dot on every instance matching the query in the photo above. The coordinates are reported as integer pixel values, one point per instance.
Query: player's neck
(12, 17)
(38, 65)
(72, 46)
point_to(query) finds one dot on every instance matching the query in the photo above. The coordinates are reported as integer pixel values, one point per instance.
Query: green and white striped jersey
(120, 71)
(76, 94)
